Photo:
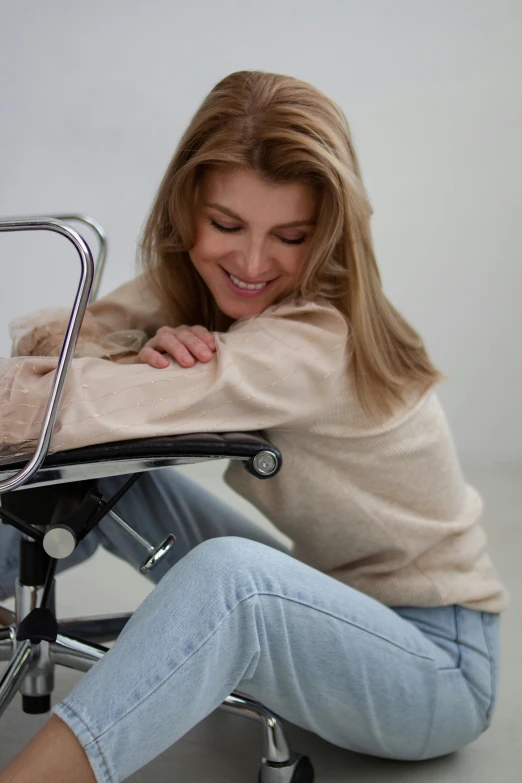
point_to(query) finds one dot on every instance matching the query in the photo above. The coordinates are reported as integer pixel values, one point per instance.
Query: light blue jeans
(234, 611)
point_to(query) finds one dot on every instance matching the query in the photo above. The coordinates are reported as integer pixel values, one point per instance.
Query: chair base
(30, 671)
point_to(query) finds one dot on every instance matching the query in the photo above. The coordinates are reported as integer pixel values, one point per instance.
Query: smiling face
(251, 238)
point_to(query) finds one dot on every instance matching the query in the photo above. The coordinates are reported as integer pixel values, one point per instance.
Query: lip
(245, 292)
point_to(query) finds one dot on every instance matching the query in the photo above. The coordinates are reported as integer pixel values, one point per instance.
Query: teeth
(251, 287)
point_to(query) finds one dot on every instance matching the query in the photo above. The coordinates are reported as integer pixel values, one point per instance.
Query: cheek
(208, 247)
(295, 261)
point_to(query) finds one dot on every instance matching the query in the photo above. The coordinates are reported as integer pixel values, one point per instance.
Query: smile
(246, 289)
(250, 286)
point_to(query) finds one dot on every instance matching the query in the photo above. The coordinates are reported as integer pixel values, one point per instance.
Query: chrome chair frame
(77, 642)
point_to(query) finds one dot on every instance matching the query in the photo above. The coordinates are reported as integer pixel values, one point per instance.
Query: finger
(148, 355)
(207, 337)
(175, 347)
(194, 344)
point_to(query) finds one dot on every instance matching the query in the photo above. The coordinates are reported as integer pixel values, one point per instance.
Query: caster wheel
(36, 705)
(303, 772)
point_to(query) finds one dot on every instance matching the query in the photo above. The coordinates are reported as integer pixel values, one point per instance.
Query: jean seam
(456, 610)
(470, 685)
(210, 635)
(492, 667)
(452, 668)
(94, 741)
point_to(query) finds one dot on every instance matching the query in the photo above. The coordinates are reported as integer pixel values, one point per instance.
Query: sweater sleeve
(118, 324)
(278, 369)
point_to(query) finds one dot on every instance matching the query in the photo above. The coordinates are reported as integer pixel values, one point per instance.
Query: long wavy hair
(287, 131)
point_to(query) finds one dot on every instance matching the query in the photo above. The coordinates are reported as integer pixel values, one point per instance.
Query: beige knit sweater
(384, 509)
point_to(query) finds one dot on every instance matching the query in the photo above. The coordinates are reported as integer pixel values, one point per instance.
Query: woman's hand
(185, 344)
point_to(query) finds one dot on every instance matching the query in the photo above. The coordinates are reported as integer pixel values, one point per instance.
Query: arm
(278, 369)
(115, 327)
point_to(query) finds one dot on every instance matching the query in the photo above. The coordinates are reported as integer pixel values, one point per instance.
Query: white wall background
(94, 96)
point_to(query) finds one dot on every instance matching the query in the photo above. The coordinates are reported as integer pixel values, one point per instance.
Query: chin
(237, 310)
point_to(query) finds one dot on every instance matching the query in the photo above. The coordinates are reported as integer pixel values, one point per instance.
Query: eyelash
(234, 230)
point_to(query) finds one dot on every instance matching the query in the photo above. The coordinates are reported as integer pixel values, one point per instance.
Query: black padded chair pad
(225, 445)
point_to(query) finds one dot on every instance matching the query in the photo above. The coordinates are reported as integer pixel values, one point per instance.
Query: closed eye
(235, 229)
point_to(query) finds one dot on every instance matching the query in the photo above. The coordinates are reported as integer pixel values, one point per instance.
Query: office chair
(55, 502)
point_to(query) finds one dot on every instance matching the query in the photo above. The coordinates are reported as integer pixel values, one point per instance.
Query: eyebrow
(293, 224)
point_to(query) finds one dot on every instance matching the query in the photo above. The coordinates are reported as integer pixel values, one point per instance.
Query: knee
(233, 560)
(229, 552)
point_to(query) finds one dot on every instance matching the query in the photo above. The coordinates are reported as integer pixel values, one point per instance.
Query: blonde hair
(287, 131)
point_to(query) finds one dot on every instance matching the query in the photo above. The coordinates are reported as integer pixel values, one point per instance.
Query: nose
(254, 262)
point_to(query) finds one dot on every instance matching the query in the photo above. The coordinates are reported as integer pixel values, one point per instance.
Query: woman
(261, 308)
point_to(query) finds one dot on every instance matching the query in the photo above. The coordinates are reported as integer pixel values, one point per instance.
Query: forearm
(275, 371)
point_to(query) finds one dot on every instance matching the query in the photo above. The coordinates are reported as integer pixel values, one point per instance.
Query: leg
(41, 755)
(9, 540)
(234, 614)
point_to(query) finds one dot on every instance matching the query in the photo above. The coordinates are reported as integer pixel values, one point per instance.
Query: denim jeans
(234, 610)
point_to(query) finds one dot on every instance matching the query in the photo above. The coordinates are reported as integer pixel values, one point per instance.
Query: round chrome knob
(59, 542)
(265, 463)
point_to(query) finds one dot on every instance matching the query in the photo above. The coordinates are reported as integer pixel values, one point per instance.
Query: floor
(226, 749)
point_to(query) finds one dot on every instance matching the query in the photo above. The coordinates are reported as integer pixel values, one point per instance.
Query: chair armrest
(80, 303)
(99, 265)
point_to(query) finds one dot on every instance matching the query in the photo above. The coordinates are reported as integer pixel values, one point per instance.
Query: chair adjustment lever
(154, 553)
